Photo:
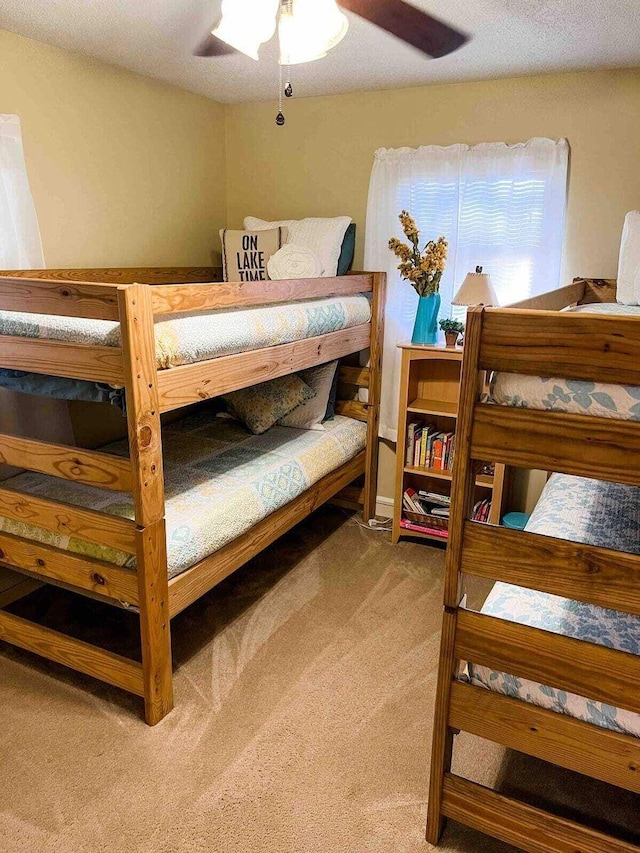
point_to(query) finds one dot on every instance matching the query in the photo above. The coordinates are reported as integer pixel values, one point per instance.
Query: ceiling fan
(308, 29)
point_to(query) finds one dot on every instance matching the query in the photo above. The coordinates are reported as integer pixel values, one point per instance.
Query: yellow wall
(125, 171)
(319, 163)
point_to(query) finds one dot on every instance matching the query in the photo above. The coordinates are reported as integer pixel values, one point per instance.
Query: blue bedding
(596, 513)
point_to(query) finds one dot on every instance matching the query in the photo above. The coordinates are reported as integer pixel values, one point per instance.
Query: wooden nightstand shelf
(429, 388)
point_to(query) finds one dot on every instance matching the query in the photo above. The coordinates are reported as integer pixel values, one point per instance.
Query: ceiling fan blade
(212, 46)
(412, 25)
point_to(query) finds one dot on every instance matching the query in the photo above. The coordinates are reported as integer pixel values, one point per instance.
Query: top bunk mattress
(604, 400)
(220, 480)
(198, 336)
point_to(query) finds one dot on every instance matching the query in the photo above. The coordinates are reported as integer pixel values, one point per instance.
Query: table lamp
(476, 289)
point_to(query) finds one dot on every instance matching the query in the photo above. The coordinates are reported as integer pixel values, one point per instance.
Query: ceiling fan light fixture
(247, 24)
(307, 29)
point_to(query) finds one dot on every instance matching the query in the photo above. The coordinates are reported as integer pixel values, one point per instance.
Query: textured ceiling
(510, 37)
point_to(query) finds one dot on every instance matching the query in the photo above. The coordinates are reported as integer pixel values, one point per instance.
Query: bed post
(462, 492)
(373, 405)
(145, 450)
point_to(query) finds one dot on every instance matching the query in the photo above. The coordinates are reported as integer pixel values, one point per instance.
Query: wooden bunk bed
(118, 295)
(539, 341)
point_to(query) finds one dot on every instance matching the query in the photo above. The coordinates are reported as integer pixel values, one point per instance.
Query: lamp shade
(476, 289)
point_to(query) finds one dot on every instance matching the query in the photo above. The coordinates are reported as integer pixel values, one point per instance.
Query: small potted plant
(452, 330)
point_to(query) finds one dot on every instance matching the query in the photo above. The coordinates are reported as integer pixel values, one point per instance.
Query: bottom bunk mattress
(220, 480)
(596, 513)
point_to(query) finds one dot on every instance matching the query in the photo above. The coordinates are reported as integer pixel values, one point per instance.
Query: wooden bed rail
(600, 348)
(577, 666)
(595, 575)
(94, 301)
(526, 827)
(244, 294)
(68, 463)
(584, 445)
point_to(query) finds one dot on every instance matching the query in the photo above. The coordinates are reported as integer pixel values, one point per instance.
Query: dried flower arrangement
(422, 269)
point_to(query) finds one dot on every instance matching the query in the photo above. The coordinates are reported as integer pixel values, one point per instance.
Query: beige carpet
(304, 692)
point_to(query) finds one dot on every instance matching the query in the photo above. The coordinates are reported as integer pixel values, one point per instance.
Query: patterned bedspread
(189, 338)
(604, 400)
(580, 510)
(220, 480)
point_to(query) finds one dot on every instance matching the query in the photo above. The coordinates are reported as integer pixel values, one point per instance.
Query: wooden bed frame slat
(68, 519)
(188, 586)
(593, 347)
(58, 358)
(78, 570)
(591, 574)
(83, 657)
(554, 300)
(190, 383)
(586, 669)
(354, 376)
(521, 825)
(122, 275)
(41, 296)
(236, 294)
(586, 748)
(584, 445)
(352, 409)
(597, 290)
(68, 463)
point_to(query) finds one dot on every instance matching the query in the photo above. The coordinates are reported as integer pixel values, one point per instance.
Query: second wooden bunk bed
(539, 341)
(119, 295)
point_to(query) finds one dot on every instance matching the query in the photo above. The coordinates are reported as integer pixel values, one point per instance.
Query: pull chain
(280, 116)
(288, 89)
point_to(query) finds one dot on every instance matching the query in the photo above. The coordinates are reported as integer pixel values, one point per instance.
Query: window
(500, 206)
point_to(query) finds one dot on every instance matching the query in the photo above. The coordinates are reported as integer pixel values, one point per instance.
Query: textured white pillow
(628, 284)
(293, 261)
(310, 413)
(323, 236)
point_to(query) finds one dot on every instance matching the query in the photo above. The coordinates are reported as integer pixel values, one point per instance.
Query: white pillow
(628, 284)
(310, 413)
(323, 236)
(293, 261)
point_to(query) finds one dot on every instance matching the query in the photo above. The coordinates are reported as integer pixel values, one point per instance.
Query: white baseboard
(384, 506)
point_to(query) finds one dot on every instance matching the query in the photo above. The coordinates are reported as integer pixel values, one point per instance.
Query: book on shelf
(441, 511)
(429, 447)
(441, 533)
(411, 432)
(481, 510)
(426, 503)
(435, 497)
(410, 501)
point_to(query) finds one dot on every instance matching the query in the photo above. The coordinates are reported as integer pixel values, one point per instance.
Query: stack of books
(481, 510)
(428, 447)
(426, 503)
(428, 512)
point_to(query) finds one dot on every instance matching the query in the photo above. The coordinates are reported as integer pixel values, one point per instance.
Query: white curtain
(21, 248)
(499, 206)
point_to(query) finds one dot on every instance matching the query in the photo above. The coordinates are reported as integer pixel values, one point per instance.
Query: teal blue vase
(425, 328)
